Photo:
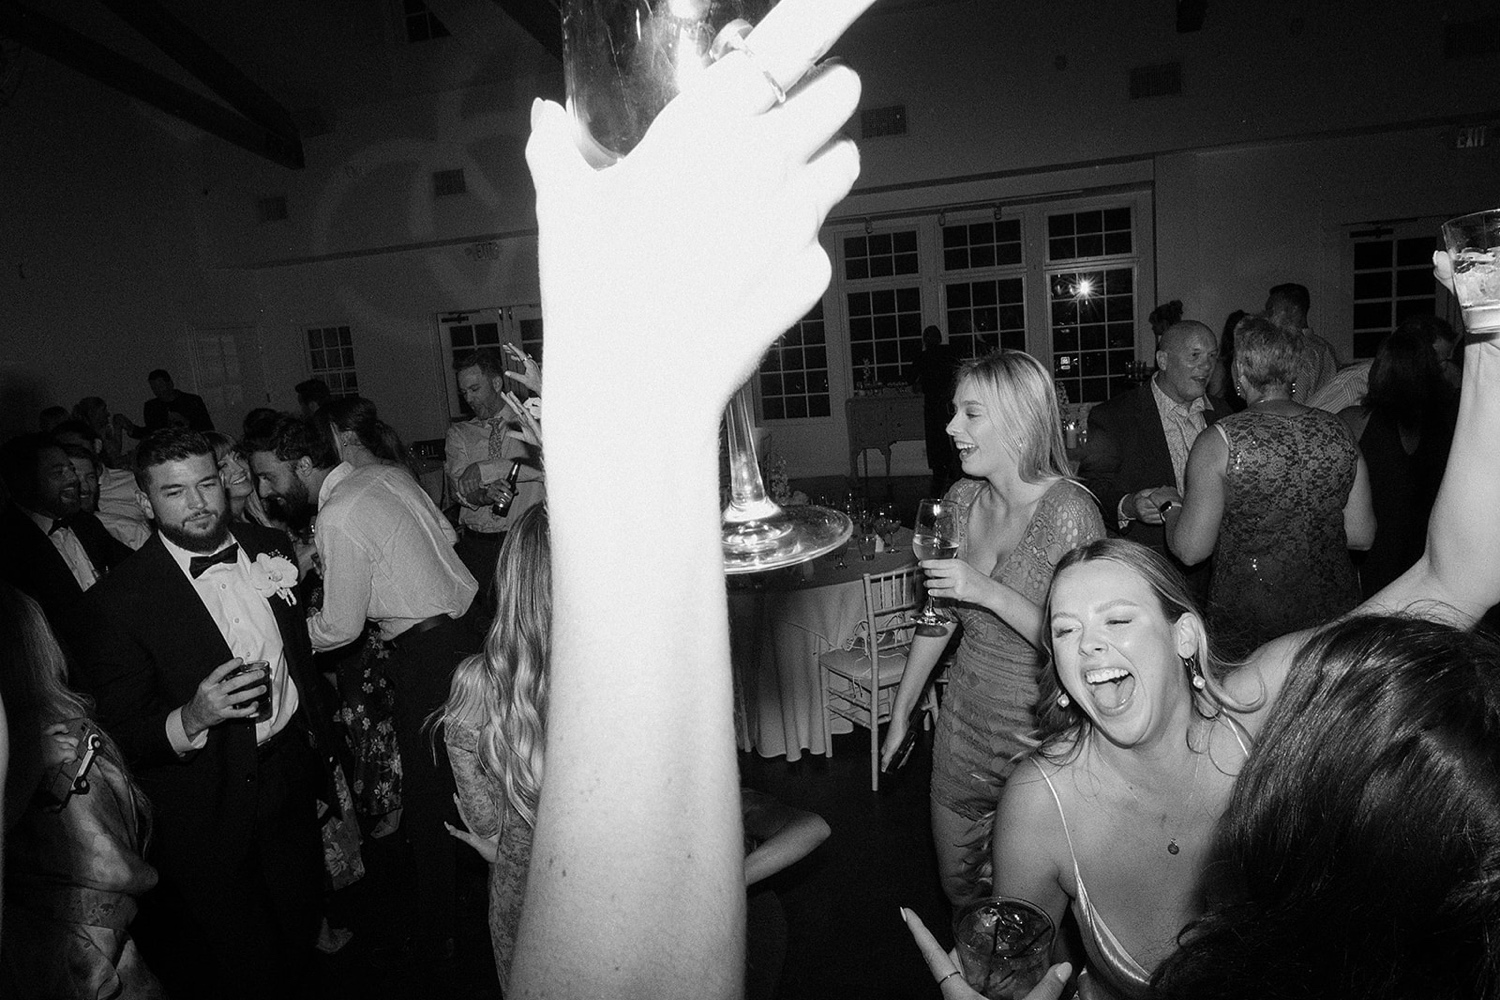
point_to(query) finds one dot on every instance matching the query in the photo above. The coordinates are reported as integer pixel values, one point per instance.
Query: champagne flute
(623, 61)
(935, 536)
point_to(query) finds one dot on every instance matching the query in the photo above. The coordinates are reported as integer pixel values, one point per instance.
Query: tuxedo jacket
(144, 641)
(1126, 452)
(31, 563)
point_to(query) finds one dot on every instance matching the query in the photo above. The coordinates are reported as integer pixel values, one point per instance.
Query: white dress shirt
(249, 628)
(469, 442)
(66, 542)
(387, 555)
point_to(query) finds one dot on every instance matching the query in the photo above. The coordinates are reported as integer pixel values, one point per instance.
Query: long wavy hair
(35, 694)
(1360, 851)
(1018, 392)
(359, 416)
(502, 691)
(1059, 730)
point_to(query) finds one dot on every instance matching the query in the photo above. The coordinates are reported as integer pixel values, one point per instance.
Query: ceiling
(267, 75)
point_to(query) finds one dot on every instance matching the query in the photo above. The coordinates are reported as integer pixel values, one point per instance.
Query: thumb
(551, 153)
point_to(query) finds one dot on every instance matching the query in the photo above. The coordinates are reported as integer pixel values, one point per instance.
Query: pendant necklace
(1172, 847)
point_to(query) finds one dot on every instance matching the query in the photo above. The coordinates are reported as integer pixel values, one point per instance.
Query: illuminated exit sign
(1471, 136)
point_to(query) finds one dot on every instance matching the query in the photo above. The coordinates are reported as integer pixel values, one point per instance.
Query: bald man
(1138, 442)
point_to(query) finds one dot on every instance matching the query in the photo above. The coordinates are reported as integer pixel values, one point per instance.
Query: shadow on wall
(22, 399)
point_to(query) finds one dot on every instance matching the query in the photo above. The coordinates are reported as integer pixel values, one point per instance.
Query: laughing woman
(1022, 512)
(1145, 733)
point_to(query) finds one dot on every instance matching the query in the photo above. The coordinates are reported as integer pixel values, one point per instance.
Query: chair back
(891, 600)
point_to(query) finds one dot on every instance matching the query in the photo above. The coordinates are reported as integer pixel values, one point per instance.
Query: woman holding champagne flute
(1021, 511)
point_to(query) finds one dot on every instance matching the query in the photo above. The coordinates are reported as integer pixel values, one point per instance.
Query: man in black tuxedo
(49, 548)
(1138, 441)
(235, 836)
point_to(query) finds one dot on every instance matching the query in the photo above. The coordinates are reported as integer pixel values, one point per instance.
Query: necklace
(1187, 807)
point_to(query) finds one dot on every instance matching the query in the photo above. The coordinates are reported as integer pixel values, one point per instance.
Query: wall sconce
(942, 218)
(869, 227)
(997, 213)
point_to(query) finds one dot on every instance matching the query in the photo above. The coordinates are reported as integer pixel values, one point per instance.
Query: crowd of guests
(1315, 817)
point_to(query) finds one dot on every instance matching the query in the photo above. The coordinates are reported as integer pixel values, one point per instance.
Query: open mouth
(964, 450)
(1110, 687)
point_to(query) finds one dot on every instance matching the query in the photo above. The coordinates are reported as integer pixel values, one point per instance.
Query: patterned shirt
(1181, 423)
(1316, 364)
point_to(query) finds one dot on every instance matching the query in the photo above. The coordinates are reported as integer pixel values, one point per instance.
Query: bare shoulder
(1255, 685)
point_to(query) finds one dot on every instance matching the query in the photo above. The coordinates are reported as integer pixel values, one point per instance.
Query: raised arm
(1461, 565)
(663, 276)
(1193, 527)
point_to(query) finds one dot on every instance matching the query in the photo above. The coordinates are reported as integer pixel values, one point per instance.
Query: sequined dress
(1282, 561)
(992, 685)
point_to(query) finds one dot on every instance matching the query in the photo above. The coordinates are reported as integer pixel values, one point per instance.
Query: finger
(217, 673)
(1052, 984)
(1442, 268)
(795, 34)
(937, 959)
(820, 106)
(552, 154)
(784, 295)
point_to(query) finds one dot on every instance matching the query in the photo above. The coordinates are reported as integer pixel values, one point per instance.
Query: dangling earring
(1192, 669)
(1063, 701)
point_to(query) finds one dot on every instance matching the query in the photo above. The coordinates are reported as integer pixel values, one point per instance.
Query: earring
(1063, 701)
(1192, 669)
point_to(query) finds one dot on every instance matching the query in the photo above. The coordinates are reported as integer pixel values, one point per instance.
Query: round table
(779, 623)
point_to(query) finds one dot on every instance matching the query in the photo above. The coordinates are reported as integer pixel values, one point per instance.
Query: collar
(340, 472)
(43, 521)
(1163, 401)
(182, 556)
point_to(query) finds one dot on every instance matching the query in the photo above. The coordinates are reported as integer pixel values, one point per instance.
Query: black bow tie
(197, 564)
(58, 525)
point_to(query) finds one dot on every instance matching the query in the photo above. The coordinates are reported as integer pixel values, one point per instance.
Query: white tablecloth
(778, 625)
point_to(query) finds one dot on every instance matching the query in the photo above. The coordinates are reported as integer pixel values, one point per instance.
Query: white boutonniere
(274, 574)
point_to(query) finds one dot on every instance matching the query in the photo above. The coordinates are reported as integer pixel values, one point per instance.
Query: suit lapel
(173, 590)
(1156, 440)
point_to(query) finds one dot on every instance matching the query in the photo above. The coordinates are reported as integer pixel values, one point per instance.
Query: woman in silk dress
(1022, 511)
(73, 865)
(1278, 494)
(1145, 731)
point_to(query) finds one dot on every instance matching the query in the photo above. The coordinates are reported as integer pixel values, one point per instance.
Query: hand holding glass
(935, 537)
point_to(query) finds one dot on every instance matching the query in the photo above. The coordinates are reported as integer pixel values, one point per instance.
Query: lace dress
(992, 685)
(1282, 561)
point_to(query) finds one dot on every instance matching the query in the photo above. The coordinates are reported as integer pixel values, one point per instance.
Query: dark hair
(75, 451)
(292, 438)
(1264, 354)
(1226, 335)
(489, 360)
(50, 417)
(1058, 727)
(170, 444)
(159, 375)
(75, 426)
(1165, 315)
(19, 458)
(1292, 294)
(1361, 845)
(357, 414)
(87, 407)
(314, 390)
(258, 423)
(1430, 328)
(1406, 382)
(932, 336)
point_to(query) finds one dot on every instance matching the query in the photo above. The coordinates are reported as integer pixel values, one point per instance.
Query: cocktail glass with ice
(1004, 946)
(1474, 244)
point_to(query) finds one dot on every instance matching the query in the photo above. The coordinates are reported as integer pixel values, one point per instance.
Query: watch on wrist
(1165, 506)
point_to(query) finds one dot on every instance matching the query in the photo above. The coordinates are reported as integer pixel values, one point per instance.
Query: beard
(210, 536)
(295, 508)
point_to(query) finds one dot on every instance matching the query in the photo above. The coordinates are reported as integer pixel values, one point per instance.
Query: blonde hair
(1015, 387)
(502, 691)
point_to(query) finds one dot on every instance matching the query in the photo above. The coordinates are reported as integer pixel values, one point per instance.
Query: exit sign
(1471, 136)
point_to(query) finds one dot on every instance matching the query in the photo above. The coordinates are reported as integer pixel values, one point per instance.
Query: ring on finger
(731, 38)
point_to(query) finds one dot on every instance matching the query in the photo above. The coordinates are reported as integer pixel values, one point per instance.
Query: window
(982, 244)
(460, 333)
(422, 24)
(794, 372)
(331, 349)
(1093, 331)
(984, 315)
(880, 255)
(1096, 233)
(1392, 280)
(885, 334)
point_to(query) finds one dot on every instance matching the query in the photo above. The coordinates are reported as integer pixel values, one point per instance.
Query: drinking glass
(935, 536)
(1004, 945)
(866, 542)
(1473, 242)
(623, 61)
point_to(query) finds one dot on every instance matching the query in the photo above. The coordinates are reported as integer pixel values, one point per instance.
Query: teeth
(1105, 676)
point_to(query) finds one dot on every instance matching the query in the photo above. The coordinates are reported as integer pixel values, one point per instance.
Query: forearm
(793, 842)
(1014, 609)
(925, 652)
(640, 670)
